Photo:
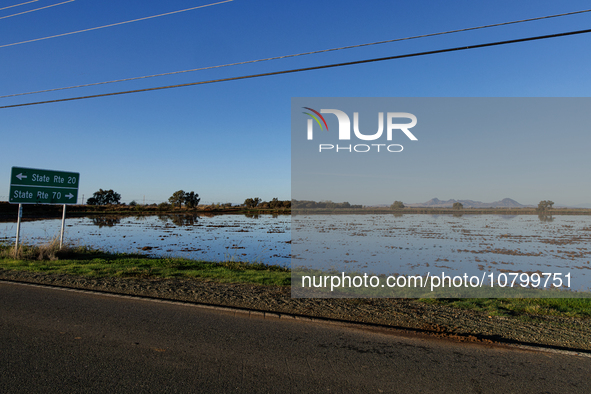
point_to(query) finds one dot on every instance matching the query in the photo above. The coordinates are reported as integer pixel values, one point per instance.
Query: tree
(275, 203)
(252, 202)
(458, 205)
(163, 206)
(104, 197)
(397, 205)
(177, 197)
(545, 205)
(192, 199)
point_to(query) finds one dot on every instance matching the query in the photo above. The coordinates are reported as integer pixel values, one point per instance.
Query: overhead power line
(16, 5)
(114, 24)
(416, 54)
(36, 9)
(299, 54)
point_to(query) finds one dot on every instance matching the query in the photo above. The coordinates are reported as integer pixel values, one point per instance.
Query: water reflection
(180, 220)
(105, 221)
(430, 244)
(545, 218)
(262, 238)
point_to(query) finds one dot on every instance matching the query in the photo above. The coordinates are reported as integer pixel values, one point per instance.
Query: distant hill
(437, 203)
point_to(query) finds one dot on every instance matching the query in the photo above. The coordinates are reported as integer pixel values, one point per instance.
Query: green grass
(522, 307)
(525, 304)
(84, 261)
(416, 287)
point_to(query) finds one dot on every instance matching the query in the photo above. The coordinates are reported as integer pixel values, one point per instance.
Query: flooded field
(432, 244)
(263, 238)
(374, 244)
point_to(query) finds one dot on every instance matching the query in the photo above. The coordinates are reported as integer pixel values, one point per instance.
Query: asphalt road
(55, 341)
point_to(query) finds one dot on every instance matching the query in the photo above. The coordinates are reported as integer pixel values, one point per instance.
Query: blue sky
(231, 140)
(489, 148)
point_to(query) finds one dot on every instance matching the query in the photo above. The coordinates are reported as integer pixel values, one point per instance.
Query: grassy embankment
(441, 211)
(84, 261)
(10, 211)
(524, 308)
(522, 303)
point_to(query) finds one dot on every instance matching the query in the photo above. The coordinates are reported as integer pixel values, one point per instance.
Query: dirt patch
(438, 320)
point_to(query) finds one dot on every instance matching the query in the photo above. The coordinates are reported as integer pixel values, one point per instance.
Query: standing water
(254, 238)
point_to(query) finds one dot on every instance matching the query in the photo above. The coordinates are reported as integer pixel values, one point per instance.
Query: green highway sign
(34, 186)
(42, 195)
(46, 178)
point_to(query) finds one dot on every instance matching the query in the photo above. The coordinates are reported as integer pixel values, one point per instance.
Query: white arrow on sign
(70, 195)
(21, 176)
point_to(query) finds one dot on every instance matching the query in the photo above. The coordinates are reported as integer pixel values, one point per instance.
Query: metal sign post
(18, 228)
(63, 222)
(34, 186)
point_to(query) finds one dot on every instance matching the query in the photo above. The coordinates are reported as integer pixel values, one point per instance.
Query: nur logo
(345, 129)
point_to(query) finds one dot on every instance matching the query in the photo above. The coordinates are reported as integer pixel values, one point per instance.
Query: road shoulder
(559, 333)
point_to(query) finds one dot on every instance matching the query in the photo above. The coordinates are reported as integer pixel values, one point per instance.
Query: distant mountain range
(437, 203)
